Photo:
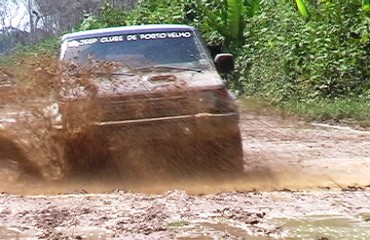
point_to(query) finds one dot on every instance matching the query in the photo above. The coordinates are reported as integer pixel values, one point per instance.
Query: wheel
(221, 156)
(87, 155)
(199, 157)
(13, 156)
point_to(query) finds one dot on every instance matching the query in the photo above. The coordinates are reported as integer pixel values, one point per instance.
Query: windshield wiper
(165, 67)
(104, 74)
(121, 72)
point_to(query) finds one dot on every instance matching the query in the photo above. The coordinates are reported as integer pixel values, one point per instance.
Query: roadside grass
(49, 46)
(260, 106)
(350, 111)
(178, 224)
(366, 217)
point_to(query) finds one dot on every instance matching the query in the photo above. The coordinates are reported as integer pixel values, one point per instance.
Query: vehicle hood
(126, 84)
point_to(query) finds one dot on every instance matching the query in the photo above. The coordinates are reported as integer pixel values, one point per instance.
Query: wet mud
(178, 215)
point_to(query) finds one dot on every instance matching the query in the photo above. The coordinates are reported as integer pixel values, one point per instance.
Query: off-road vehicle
(151, 103)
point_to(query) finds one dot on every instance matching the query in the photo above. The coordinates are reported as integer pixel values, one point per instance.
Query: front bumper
(169, 127)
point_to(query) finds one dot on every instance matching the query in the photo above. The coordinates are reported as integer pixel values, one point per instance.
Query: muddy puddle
(179, 215)
(310, 228)
(326, 227)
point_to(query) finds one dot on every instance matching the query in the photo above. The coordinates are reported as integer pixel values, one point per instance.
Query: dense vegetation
(293, 53)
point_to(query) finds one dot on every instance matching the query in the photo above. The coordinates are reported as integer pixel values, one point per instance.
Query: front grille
(130, 109)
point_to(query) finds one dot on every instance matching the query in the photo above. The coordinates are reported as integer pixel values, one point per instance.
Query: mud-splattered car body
(164, 96)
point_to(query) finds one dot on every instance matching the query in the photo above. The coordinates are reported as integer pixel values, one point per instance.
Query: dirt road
(295, 154)
(302, 181)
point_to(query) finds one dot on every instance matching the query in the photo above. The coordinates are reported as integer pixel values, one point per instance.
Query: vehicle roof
(126, 30)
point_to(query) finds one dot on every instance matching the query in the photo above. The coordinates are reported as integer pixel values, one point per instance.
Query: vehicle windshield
(176, 49)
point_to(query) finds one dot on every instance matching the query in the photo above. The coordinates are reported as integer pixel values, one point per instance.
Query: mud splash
(32, 149)
(278, 153)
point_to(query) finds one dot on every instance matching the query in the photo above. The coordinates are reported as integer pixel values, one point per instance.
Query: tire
(87, 156)
(222, 156)
(197, 158)
(12, 153)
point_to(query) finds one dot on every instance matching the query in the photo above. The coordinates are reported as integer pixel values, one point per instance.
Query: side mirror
(224, 62)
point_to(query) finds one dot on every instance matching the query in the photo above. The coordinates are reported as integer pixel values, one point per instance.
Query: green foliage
(302, 8)
(346, 110)
(109, 17)
(148, 12)
(46, 46)
(220, 22)
(165, 11)
(286, 56)
(365, 217)
(178, 224)
(228, 18)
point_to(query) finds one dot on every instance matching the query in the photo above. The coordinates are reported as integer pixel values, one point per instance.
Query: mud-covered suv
(161, 108)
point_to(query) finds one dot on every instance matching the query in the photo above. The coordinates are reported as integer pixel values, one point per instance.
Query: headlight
(216, 101)
(207, 99)
(53, 112)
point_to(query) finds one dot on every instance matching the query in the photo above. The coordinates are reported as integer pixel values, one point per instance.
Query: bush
(48, 46)
(156, 12)
(147, 12)
(326, 56)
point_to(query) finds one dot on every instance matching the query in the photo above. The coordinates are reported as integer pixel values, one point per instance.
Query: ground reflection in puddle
(326, 227)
